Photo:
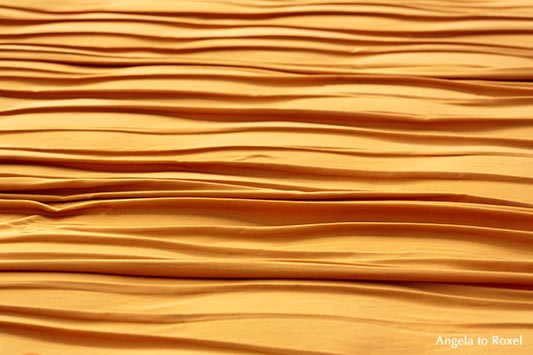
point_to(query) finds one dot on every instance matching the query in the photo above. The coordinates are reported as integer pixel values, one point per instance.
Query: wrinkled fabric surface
(286, 177)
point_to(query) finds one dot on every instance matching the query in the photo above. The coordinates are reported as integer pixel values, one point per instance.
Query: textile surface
(285, 177)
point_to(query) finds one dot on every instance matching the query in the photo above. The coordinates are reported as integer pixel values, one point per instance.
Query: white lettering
(454, 343)
(496, 340)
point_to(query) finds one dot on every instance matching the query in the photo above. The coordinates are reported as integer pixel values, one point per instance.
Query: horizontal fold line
(268, 270)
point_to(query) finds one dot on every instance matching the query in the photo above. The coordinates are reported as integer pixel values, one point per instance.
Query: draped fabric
(285, 177)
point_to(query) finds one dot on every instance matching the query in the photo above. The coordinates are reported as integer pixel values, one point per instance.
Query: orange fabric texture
(285, 177)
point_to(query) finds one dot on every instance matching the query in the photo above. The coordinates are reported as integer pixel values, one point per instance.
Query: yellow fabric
(288, 177)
